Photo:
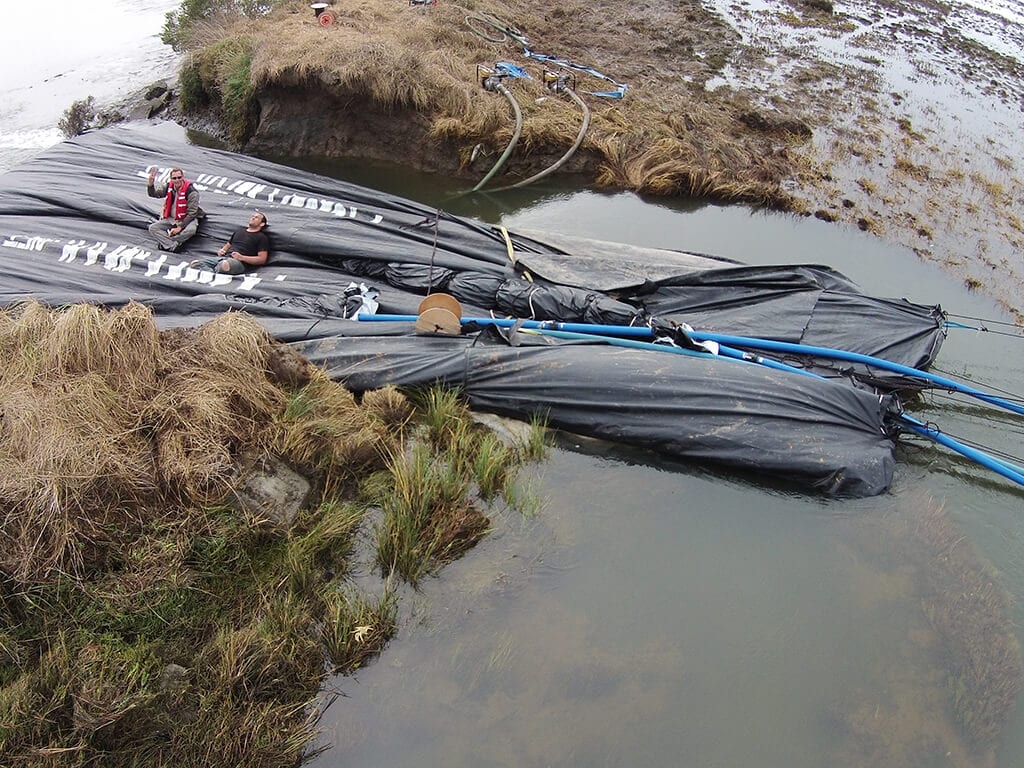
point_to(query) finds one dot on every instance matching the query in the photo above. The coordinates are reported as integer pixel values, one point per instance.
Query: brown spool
(439, 313)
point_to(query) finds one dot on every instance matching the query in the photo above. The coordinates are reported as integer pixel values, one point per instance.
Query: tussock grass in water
(492, 465)
(443, 410)
(535, 446)
(423, 511)
(429, 515)
(524, 498)
(496, 465)
(145, 617)
(357, 628)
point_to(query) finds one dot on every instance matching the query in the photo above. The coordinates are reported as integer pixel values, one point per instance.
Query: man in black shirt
(248, 247)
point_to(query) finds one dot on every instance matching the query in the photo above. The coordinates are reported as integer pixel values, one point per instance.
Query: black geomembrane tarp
(73, 228)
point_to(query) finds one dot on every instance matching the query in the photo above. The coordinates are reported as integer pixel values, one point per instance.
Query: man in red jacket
(181, 213)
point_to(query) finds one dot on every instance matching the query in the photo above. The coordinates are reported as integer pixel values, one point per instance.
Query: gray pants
(158, 229)
(223, 264)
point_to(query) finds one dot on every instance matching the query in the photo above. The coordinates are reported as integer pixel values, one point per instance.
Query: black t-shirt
(249, 243)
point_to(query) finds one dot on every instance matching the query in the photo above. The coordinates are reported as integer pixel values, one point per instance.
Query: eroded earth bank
(898, 117)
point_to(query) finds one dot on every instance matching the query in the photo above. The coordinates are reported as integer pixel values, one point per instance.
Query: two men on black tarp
(248, 247)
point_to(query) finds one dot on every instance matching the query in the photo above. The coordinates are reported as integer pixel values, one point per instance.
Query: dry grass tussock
(145, 617)
(694, 154)
(224, 39)
(109, 426)
(366, 53)
(329, 435)
(398, 57)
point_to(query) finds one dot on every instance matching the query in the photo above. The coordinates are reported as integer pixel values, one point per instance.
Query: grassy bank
(790, 105)
(152, 614)
(416, 71)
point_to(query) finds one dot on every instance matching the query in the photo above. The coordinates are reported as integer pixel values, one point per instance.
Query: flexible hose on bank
(512, 143)
(564, 158)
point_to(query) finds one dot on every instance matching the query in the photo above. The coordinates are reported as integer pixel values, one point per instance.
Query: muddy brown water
(654, 613)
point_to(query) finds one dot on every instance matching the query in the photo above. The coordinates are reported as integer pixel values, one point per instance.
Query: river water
(652, 613)
(53, 56)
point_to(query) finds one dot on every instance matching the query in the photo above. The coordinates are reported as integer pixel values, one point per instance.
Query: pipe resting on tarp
(73, 228)
(628, 337)
(1007, 469)
(735, 342)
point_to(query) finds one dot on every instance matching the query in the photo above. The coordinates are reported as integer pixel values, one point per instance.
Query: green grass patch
(357, 628)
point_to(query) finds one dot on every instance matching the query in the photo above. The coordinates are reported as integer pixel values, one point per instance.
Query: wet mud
(916, 109)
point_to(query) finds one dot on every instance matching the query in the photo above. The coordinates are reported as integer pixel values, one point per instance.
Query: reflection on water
(449, 194)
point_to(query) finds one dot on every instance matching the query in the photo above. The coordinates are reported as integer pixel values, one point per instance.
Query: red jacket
(180, 202)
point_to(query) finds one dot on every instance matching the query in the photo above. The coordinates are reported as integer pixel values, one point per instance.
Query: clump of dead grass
(388, 406)
(143, 619)
(398, 60)
(107, 424)
(71, 439)
(913, 170)
(668, 165)
(366, 53)
(326, 433)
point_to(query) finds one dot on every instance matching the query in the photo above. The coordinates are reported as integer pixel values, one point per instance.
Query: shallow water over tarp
(73, 228)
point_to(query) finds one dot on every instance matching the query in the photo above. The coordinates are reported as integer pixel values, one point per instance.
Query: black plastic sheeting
(817, 433)
(73, 228)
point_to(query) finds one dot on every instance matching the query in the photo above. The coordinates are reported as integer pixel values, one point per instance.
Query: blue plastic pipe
(1004, 468)
(727, 352)
(640, 331)
(632, 331)
(594, 332)
(856, 357)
